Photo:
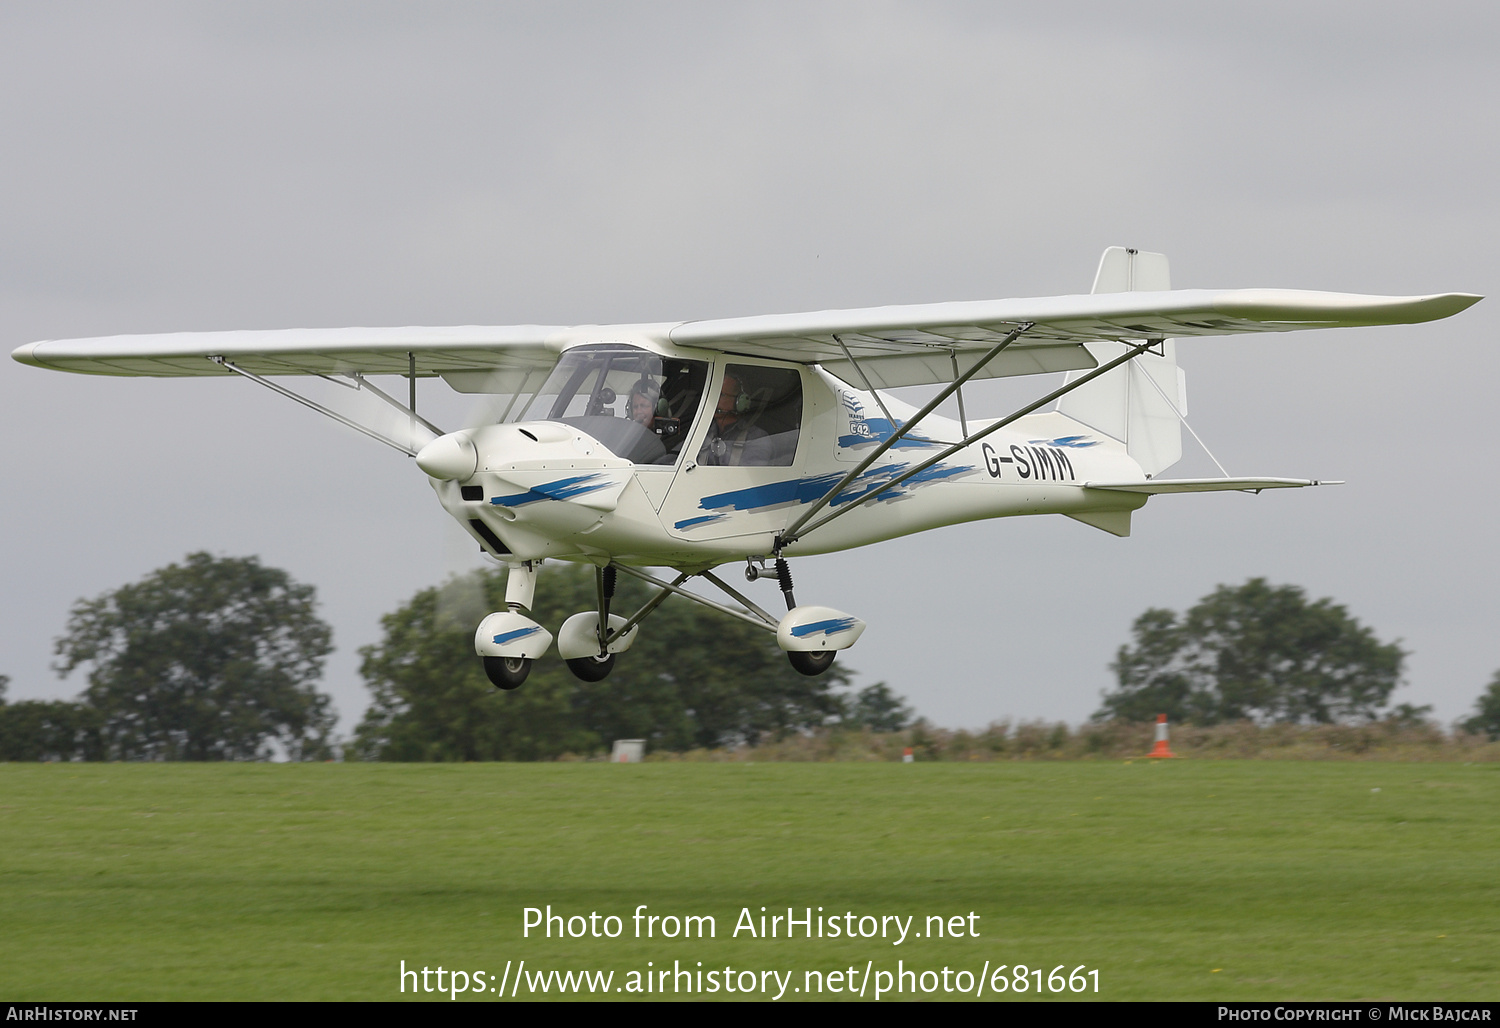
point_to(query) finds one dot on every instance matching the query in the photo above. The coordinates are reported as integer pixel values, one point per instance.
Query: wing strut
(865, 379)
(963, 419)
(796, 531)
(411, 374)
(792, 533)
(359, 382)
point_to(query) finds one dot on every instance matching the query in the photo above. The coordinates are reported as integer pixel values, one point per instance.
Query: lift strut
(797, 529)
(794, 531)
(356, 381)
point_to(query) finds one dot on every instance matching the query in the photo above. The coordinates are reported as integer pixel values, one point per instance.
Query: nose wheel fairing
(510, 634)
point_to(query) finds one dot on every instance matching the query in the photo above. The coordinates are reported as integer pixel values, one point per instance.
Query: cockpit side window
(757, 419)
(638, 404)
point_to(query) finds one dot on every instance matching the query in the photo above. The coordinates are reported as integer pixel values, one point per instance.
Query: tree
(213, 659)
(1486, 719)
(1253, 652)
(48, 729)
(877, 708)
(694, 678)
(432, 701)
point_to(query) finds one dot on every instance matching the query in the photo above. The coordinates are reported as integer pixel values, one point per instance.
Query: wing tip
(1441, 305)
(26, 354)
(1297, 308)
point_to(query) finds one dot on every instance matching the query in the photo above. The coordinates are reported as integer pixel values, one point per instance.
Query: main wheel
(592, 669)
(810, 663)
(507, 672)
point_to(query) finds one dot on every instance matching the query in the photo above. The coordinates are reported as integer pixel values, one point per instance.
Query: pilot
(644, 396)
(731, 439)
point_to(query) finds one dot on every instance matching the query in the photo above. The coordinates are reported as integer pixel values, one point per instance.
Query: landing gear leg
(784, 578)
(520, 586)
(596, 668)
(604, 579)
(807, 662)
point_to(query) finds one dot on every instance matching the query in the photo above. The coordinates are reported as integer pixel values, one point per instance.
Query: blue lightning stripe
(871, 483)
(936, 473)
(520, 633)
(832, 626)
(562, 489)
(773, 494)
(694, 522)
(1076, 442)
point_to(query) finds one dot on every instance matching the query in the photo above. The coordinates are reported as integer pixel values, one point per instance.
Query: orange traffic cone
(1161, 749)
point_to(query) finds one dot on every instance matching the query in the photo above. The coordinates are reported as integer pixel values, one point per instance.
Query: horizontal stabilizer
(1205, 485)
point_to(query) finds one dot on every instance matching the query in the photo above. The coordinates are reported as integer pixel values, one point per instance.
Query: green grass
(1182, 880)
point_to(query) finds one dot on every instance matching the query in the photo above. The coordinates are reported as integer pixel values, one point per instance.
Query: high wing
(911, 345)
(306, 351)
(895, 346)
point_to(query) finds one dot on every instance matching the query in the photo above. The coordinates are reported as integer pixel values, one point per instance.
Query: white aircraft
(689, 445)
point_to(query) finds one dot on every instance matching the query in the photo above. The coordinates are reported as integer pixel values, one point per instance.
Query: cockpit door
(744, 468)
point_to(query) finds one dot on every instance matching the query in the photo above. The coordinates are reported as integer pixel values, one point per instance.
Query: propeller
(462, 601)
(366, 407)
(389, 417)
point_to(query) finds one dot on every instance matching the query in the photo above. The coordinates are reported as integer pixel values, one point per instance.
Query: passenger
(732, 440)
(644, 396)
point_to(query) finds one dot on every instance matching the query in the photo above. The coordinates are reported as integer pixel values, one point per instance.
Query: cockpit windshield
(640, 405)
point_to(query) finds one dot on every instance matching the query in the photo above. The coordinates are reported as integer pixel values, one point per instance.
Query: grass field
(1180, 880)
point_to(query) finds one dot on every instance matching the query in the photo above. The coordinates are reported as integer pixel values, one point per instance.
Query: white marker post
(628, 751)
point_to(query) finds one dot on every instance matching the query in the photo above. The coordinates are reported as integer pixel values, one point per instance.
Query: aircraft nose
(449, 457)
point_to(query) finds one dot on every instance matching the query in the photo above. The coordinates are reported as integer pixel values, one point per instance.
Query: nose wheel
(811, 663)
(507, 672)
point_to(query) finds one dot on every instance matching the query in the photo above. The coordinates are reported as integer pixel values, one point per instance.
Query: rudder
(1142, 402)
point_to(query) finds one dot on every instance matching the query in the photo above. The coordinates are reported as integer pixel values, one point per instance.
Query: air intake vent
(471, 493)
(489, 538)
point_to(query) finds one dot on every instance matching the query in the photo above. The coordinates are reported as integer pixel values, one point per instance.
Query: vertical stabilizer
(1139, 403)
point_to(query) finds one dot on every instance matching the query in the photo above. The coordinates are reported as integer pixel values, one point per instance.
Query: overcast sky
(168, 167)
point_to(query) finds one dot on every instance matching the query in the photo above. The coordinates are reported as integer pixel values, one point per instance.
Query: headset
(742, 399)
(652, 391)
